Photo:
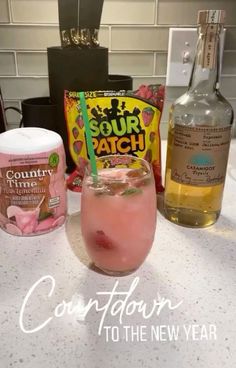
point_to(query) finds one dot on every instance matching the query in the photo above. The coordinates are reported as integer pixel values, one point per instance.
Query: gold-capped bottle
(199, 135)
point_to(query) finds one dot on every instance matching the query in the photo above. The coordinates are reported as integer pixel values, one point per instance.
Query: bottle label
(209, 54)
(200, 155)
(215, 16)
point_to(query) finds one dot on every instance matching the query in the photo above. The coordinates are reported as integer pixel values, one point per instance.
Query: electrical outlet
(181, 51)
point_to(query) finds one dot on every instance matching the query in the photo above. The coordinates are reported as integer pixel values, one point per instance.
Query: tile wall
(136, 32)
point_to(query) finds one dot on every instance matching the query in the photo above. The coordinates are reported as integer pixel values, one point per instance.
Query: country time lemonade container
(32, 181)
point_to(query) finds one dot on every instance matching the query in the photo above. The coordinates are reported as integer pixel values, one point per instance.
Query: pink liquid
(118, 229)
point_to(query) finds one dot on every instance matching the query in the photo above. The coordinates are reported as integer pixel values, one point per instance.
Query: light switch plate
(181, 51)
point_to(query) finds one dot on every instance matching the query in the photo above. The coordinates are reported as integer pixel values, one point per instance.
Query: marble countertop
(182, 301)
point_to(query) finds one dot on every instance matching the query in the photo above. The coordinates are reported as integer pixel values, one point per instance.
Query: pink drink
(118, 217)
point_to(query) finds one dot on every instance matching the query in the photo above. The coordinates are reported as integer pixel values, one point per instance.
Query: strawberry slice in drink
(136, 173)
(139, 178)
(102, 240)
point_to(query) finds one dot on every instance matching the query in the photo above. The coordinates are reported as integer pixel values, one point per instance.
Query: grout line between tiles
(134, 25)
(148, 76)
(134, 76)
(109, 38)
(156, 13)
(24, 76)
(154, 63)
(16, 64)
(43, 51)
(228, 75)
(121, 25)
(9, 10)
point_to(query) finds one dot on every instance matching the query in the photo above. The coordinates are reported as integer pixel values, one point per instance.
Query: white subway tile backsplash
(7, 63)
(4, 14)
(182, 12)
(114, 11)
(131, 63)
(21, 88)
(104, 36)
(28, 37)
(230, 38)
(229, 63)
(32, 63)
(23, 37)
(136, 35)
(128, 12)
(139, 38)
(228, 86)
(34, 11)
(161, 63)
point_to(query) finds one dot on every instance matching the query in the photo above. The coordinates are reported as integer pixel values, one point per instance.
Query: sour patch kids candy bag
(120, 123)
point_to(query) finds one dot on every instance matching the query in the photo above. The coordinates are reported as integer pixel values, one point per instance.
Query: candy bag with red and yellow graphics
(120, 122)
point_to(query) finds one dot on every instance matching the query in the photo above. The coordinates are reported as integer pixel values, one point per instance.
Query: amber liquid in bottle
(187, 204)
(200, 118)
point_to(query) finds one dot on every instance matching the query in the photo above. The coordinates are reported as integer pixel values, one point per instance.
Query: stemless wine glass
(118, 213)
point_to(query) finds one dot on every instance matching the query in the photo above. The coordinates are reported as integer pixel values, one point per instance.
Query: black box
(74, 69)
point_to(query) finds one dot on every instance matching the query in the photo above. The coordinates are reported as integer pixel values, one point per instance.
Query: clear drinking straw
(88, 135)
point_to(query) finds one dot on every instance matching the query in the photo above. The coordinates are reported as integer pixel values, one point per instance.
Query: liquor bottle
(199, 135)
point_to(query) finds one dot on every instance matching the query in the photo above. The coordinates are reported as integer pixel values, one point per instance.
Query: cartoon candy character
(147, 115)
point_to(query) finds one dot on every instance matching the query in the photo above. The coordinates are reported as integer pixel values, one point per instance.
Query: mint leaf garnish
(131, 191)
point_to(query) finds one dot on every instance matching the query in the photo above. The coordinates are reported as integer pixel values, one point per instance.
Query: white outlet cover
(182, 41)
